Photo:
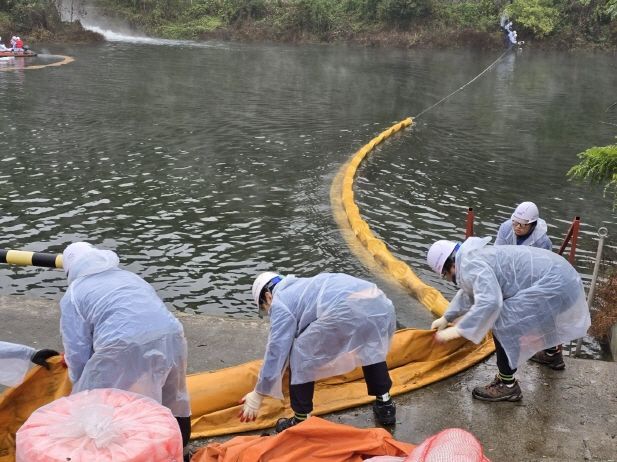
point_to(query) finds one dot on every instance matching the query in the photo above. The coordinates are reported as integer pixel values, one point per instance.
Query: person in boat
(117, 333)
(2, 46)
(15, 361)
(19, 45)
(322, 326)
(531, 298)
(525, 227)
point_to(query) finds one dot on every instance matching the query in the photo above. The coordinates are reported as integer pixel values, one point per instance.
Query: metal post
(469, 223)
(602, 233)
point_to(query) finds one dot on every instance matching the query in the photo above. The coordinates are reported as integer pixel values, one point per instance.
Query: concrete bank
(569, 415)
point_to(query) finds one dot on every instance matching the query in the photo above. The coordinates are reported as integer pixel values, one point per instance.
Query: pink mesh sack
(450, 445)
(105, 425)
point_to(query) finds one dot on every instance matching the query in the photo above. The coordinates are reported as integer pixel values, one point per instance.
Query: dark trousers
(185, 429)
(502, 359)
(377, 380)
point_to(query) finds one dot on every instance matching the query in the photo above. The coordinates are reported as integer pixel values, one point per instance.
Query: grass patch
(190, 30)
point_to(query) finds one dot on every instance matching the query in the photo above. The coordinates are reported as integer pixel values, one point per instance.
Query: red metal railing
(572, 235)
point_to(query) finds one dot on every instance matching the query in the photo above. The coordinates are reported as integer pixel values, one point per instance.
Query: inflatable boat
(17, 54)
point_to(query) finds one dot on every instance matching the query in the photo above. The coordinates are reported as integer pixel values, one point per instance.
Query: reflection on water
(203, 166)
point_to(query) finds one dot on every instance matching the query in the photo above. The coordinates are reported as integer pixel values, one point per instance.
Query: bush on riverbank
(568, 23)
(402, 22)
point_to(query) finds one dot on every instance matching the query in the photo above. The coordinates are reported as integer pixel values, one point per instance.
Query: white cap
(526, 212)
(260, 283)
(438, 254)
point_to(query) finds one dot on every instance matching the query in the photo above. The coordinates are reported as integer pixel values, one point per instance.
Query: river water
(203, 164)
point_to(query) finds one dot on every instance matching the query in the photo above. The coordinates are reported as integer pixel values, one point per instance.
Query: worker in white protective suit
(525, 227)
(117, 333)
(322, 326)
(531, 298)
(15, 360)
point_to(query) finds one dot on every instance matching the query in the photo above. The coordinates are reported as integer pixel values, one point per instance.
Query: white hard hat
(260, 283)
(526, 212)
(439, 253)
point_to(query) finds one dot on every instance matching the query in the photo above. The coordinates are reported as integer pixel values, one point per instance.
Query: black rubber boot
(284, 424)
(385, 412)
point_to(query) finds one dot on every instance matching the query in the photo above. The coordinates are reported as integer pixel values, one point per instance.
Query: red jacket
(19, 43)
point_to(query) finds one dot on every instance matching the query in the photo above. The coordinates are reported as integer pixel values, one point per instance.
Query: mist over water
(203, 164)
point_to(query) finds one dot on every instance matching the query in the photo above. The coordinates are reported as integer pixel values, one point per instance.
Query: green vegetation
(567, 23)
(598, 165)
(40, 20)
(400, 22)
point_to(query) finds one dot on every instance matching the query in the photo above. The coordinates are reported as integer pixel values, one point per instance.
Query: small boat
(17, 54)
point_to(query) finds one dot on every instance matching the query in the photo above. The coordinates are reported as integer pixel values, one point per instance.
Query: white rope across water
(460, 88)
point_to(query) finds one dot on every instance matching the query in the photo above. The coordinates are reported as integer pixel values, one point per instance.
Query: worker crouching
(322, 326)
(531, 298)
(117, 333)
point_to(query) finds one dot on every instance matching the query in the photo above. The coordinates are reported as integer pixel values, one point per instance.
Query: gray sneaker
(554, 361)
(498, 391)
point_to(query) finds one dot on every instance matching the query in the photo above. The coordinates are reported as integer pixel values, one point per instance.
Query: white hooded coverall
(537, 238)
(117, 332)
(532, 298)
(14, 363)
(324, 326)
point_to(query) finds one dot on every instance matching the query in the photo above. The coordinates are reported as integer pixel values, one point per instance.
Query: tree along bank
(403, 23)
(40, 20)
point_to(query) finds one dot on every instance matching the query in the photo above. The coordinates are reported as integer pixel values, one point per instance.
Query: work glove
(252, 403)
(40, 357)
(440, 323)
(446, 335)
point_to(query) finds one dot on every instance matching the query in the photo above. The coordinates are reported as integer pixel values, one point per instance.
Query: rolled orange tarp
(315, 440)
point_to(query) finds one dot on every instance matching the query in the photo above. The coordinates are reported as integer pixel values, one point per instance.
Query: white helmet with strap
(439, 253)
(526, 212)
(260, 282)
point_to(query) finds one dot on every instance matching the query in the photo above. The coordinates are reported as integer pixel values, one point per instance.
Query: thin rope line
(459, 89)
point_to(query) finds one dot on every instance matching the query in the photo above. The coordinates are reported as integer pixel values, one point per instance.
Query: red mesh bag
(450, 445)
(103, 425)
